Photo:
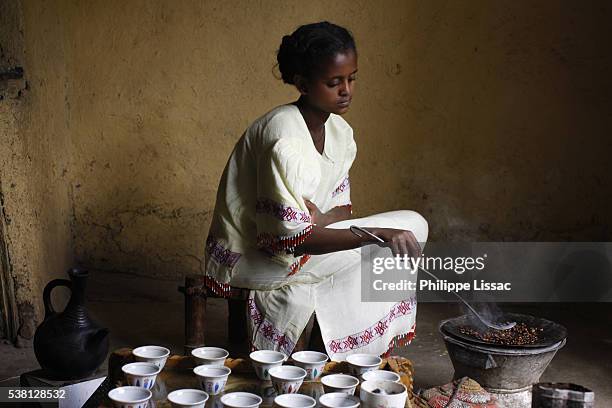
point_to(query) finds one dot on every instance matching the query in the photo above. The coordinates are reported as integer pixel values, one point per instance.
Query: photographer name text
(441, 285)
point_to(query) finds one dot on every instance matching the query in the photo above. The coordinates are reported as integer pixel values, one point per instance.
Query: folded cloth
(461, 393)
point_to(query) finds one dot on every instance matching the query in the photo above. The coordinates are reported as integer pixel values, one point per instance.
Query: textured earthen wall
(34, 156)
(490, 118)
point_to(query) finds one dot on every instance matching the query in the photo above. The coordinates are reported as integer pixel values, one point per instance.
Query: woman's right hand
(402, 242)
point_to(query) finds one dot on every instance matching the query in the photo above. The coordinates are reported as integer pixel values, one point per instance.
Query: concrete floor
(142, 311)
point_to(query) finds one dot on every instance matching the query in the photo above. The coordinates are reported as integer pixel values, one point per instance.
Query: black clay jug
(69, 345)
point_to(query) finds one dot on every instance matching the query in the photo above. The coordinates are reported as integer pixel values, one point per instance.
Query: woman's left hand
(316, 216)
(324, 219)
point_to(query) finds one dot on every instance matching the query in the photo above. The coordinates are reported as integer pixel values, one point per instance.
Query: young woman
(281, 219)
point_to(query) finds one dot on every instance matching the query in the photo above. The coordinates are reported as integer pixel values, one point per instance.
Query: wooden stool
(196, 293)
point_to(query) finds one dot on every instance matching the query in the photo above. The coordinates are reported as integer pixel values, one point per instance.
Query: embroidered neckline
(327, 149)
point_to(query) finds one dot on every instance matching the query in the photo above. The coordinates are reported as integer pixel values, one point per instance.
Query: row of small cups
(150, 360)
(374, 393)
(138, 397)
(140, 377)
(211, 371)
(311, 361)
(212, 377)
(213, 374)
(379, 387)
(394, 397)
(331, 400)
(287, 379)
(312, 364)
(248, 400)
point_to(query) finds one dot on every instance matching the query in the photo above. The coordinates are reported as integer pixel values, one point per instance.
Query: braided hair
(308, 47)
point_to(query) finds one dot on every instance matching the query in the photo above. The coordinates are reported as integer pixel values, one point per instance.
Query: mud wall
(35, 160)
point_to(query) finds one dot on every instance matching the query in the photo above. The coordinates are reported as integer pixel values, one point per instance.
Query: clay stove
(508, 371)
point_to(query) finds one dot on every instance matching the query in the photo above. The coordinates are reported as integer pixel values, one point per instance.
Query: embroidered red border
(268, 330)
(281, 211)
(221, 254)
(219, 288)
(361, 339)
(400, 341)
(297, 265)
(273, 243)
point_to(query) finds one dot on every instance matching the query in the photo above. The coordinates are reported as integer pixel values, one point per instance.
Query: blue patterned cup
(241, 400)
(141, 374)
(264, 360)
(152, 354)
(213, 356)
(287, 379)
(311, 361)
(339, 383)
(135, 397)
(212, 379)
(361, 363)
(188, 398)
(294, 401)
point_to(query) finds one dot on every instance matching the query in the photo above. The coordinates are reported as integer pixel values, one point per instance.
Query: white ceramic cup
(212, 379)
(361, 363)
(130, 396)
(287, 379)
(311, 361)
(214, 356)
(339, 383)
(241, 400)
(294, 401)
(188, 398)
(152, 354)
(264, 360)
(388, 394)
(381, 375)
(141, 374)
(338, 400)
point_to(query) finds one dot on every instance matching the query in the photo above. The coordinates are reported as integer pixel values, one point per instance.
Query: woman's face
(331, 89)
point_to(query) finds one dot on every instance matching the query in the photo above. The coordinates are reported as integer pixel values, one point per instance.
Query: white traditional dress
(260, 218)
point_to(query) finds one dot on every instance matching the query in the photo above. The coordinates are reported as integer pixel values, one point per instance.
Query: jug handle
(49, 311)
